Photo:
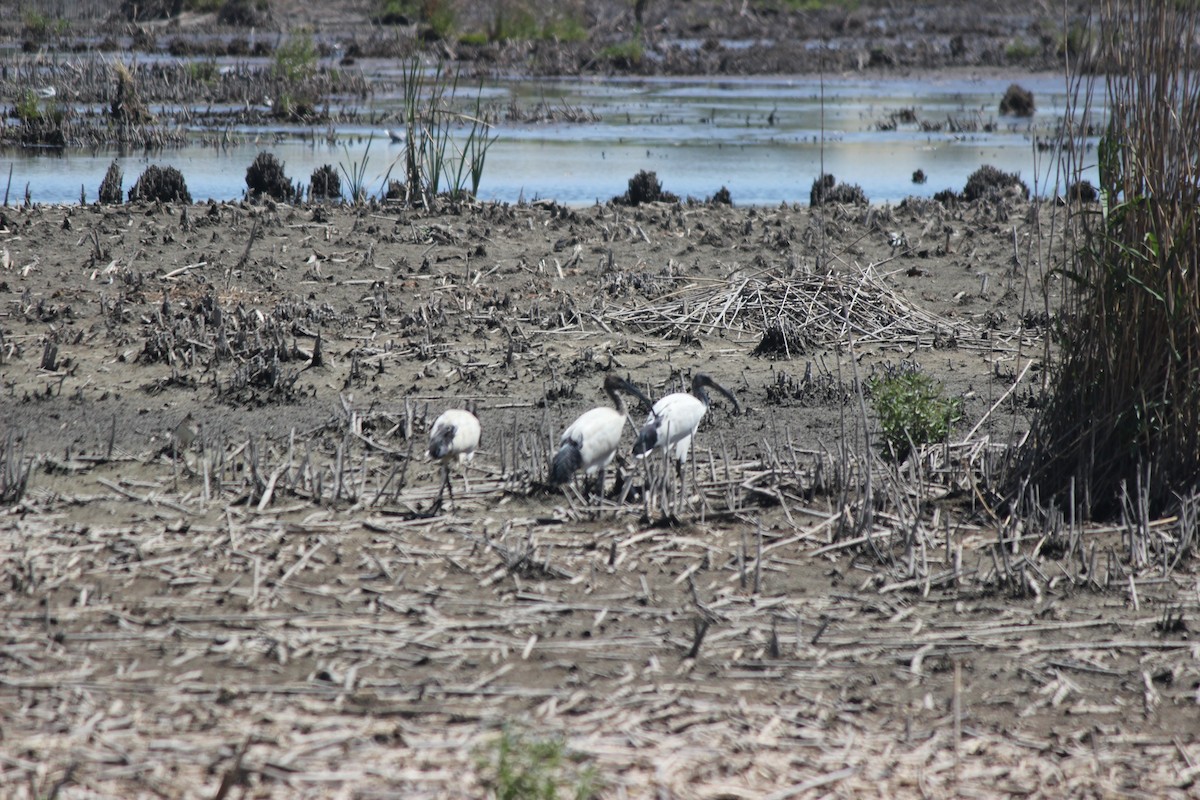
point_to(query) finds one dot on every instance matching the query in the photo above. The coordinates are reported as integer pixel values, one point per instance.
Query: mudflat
(224, 574)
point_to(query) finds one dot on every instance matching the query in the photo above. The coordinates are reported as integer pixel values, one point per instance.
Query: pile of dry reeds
(825, 307)
(1123, 413)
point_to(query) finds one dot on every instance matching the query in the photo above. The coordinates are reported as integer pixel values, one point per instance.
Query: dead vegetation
(265, 178)
(100, 100)
(243, 587)
(161, 184)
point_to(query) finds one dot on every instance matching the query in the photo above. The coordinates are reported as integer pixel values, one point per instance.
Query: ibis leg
(437, 502)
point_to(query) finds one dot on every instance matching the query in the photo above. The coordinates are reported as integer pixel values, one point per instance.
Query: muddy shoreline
(138, 315)
(672, 38)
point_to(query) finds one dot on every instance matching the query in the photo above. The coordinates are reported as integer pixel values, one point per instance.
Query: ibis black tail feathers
(646, 440)
(567, 461)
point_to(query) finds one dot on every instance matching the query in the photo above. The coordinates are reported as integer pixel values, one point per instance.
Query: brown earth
(225, 577)
(275, 610)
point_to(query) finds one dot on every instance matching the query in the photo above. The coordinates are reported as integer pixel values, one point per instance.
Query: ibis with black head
(453, 439)
(673, 421)
(590, 442)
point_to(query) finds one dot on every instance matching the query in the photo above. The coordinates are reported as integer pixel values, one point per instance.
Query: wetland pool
(764, 139)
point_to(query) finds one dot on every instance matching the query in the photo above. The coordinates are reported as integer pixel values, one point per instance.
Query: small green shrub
(438, 15)
(27, 109)
(202, 71)
(518, 768)
(1021, 50)
(395, 12)
(1075, 42)
(564, 28)
(40, 27)
(476, 38)
(913, 409)
(244, 13)
(514, 23)
(625, 54)
(294, 107)
(441, 19)
(528, 21)
(296, 59)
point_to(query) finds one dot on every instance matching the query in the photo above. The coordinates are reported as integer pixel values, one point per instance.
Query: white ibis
(674, 419)
(590, 442)
(453, 437)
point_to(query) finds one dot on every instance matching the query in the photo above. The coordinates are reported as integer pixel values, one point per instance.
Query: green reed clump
(27, 109)
(913, 410)
(295, 59)
(525, 21)
(444, 149)
(438, 16)
(1124, 394)
(356, 174)
(293, 71)
(39, 27)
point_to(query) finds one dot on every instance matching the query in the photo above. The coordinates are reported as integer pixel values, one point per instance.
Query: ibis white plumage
(591, 441)
(674, 419)
(453, 438)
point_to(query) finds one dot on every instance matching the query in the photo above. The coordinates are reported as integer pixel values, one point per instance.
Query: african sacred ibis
(453, 437)
(590, 442)
(674, 419)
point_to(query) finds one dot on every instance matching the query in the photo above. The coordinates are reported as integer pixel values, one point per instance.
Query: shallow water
(764, 139)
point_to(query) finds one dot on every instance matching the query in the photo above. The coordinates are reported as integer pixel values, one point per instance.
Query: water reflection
(764, 139)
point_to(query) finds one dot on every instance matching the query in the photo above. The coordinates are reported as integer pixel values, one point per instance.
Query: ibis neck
(618, 402)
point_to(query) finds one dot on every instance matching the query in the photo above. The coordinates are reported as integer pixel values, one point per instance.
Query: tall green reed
(1123, 400)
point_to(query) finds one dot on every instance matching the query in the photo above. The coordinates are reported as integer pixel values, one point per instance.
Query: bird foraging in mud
(674, 419)
(590, 442)
(453, 437)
